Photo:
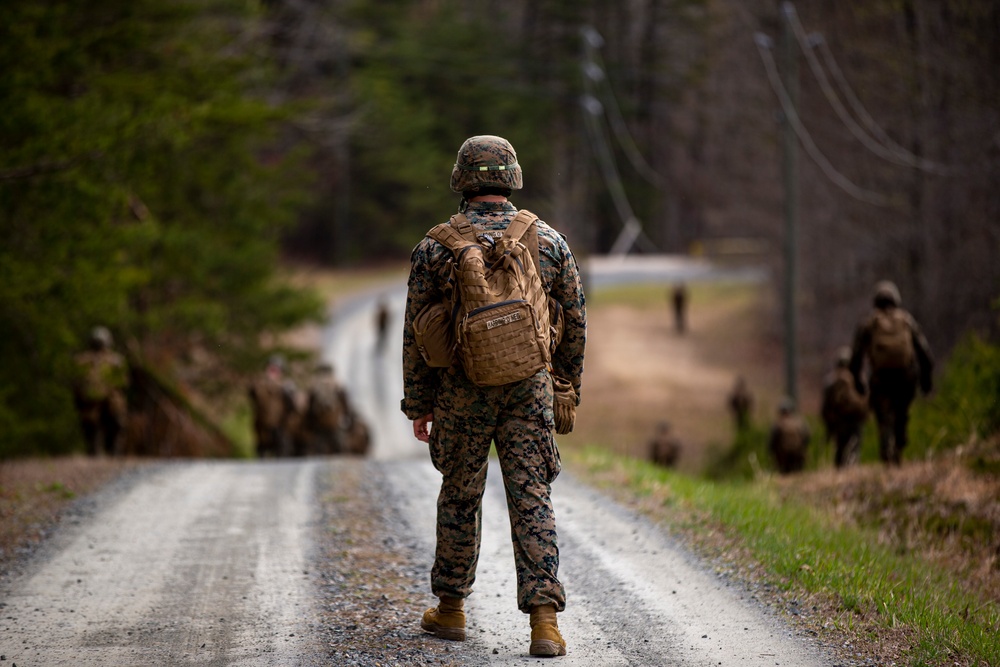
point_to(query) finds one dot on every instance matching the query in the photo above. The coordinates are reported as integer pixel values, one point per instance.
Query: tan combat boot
(447, 620)
(545, 638)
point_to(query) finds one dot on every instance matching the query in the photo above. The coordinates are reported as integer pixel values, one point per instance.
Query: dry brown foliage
(943, 509)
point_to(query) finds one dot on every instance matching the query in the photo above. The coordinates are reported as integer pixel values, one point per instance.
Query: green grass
(237, 425)
(965, 403)
(806, 552)
(658, 295)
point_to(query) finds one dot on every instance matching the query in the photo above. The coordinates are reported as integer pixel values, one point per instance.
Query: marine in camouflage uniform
(665, 447)
(324, 414)
(844, 410)
(679, 299)
(274, 404)
(99, 393)
(891, 390)
(789, 439)
(518, 417)
(741, 403)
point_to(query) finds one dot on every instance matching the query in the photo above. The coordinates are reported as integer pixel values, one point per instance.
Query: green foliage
(808, 551)
(747, 455)
(423, 92)
(134, 193)
(965, 403)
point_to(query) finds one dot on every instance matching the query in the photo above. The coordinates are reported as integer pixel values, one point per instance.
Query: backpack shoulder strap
(455, 234)
(523, 228)
(519, 225)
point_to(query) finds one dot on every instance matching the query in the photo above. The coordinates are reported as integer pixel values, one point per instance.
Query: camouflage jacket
(789, 434)
(99, 374)
(860, 350)
(428, 275)
(841, 400)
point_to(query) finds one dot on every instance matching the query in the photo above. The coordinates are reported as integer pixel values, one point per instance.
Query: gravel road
(236, 563)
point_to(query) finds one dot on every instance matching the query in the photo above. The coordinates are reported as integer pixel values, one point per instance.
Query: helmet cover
(886, 292)
(485, 161)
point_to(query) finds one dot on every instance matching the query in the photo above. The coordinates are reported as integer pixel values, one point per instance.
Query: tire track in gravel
(196, 563)
(634, 596)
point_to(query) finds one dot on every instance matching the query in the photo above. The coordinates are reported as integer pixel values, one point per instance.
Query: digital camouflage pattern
(485, 161)
(891, 390)
(518, 417)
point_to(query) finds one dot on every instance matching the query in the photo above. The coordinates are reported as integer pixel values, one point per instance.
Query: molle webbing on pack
(891, 340)
(499, 309)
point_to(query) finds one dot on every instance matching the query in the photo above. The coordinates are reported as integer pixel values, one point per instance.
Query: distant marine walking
(741, 403)
(899, 361)
(99, 386)
(273, 400)
(789, 439)
(665, 447)
(844, 410)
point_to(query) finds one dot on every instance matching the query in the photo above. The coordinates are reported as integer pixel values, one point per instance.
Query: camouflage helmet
(100, 338)
(485, 161)
(886, 293)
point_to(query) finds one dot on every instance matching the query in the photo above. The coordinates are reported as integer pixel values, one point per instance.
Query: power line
(632, 231)
(595, 70)
(866, 118)
(880, 144)
(632, 228)
(764, 43)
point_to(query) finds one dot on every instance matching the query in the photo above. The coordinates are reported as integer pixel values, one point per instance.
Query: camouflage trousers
(518, 418)
(892, 392)
(102, 423)
(847, 442)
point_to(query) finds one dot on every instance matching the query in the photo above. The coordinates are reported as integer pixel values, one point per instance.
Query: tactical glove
(565, 405)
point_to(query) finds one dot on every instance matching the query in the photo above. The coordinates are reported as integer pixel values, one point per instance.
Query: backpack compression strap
(518, 227)
(449, 234)
(458, 233)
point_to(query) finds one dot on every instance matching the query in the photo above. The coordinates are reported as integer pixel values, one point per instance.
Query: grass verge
(876, 601)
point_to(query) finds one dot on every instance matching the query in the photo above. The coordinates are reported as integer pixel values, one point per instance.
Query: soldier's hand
(422, 427)
(565, 405)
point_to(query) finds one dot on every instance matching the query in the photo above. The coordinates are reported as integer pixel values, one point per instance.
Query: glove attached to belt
(565, 405)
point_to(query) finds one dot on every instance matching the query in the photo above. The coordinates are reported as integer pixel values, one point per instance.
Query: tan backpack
(891, 340)
(496, 317)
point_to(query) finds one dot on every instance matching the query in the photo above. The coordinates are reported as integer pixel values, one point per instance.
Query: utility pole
(790, 172)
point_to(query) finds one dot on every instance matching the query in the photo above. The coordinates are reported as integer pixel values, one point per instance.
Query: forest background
(160, 162)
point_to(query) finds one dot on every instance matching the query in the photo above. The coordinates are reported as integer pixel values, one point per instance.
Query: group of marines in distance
(319, 420)
(287, 420)
(880, 373)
